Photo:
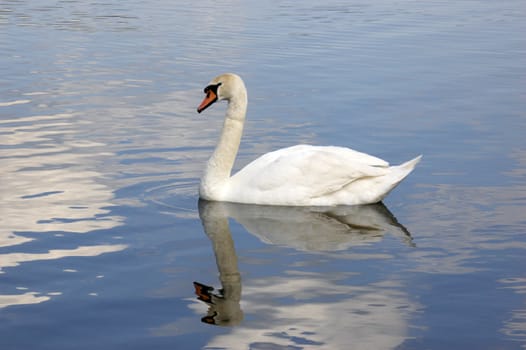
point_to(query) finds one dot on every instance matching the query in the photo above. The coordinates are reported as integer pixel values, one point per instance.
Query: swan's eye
(213, 88)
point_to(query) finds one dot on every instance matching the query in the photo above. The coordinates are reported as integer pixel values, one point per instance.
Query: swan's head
(226, 86)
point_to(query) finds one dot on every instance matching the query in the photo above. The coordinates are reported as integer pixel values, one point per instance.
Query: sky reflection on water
(101, 150)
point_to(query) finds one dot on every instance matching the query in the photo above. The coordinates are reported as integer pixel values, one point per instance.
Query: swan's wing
(308, 171)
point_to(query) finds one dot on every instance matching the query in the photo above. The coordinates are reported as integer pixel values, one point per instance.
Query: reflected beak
(203, 292)
(210, 98)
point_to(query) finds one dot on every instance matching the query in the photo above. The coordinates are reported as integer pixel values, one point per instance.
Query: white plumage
(301, 175)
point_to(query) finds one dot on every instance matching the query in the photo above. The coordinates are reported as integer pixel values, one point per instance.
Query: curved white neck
(220, 164)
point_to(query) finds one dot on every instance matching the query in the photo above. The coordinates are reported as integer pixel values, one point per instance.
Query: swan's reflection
(224, 308)
(303, 228)
(313, 228)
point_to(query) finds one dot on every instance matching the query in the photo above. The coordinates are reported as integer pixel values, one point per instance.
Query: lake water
(101, 150)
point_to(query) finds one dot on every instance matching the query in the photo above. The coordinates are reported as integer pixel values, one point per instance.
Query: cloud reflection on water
(48, 180)
(15, 259)
(461, 223)
(22, 299)
(515, 326)
(49, 184)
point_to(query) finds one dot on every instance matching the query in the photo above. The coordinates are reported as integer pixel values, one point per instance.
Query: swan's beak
(209, 100)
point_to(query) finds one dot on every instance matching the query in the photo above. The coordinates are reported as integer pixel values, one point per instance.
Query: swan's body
(300, 175)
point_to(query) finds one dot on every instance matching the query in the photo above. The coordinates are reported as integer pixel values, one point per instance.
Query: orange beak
(210, 98)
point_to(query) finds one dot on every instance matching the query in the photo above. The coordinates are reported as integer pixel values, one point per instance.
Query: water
(101, 233)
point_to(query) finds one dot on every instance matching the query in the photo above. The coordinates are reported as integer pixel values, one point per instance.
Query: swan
(301, 175)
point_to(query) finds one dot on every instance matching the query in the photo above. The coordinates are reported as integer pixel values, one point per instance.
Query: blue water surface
(104, 244)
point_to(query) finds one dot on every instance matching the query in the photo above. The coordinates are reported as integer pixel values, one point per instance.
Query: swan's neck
(219, 167)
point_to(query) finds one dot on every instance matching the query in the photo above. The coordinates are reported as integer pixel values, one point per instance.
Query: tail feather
(410, 164)
(397, 174)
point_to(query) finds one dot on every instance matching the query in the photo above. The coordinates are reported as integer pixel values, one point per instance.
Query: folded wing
(305, 171)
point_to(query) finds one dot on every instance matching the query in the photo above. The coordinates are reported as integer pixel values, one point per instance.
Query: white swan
(300, 175)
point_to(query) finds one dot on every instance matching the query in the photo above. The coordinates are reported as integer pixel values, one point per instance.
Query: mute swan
(300, 175)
